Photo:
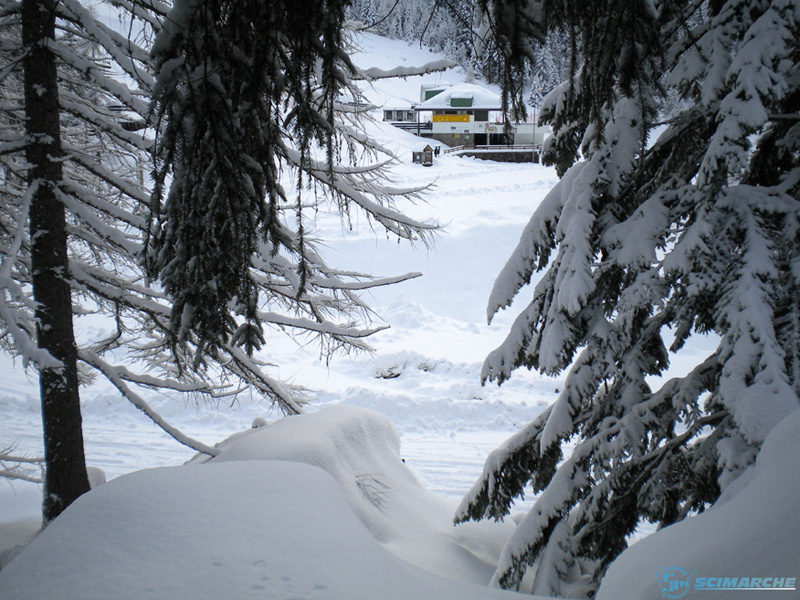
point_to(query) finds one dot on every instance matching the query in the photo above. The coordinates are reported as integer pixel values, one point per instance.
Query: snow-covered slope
(376, 52)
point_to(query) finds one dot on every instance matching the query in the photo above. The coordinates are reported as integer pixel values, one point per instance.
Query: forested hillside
(456, 30)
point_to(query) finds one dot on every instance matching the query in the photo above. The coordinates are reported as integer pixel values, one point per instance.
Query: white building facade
(469, 115)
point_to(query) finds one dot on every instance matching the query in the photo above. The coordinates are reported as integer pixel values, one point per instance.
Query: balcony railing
(406, 126)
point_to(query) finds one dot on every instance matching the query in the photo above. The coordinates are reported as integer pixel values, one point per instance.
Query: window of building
(461, 102)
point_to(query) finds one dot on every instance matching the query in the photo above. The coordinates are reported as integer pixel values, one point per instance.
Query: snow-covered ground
(319, 505)
(424, 374)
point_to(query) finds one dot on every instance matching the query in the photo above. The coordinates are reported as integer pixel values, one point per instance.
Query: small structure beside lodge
(424, 157)
(399, 115)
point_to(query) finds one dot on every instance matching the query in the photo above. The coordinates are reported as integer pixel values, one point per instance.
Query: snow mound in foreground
(256, 522)
(753, 534)
(360, 449)
(249, 529)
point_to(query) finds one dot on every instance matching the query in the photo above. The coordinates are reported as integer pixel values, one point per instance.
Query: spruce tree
(671, 220)
(246, 95)
(547, 68)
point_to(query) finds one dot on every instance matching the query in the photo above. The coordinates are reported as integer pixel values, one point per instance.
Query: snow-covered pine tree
(101, 83)
(364, 11)
(655, 234)
(246, 92)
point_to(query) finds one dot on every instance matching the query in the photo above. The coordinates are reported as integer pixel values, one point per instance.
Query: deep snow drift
(360, 449)
(259, 521)
(234, 530)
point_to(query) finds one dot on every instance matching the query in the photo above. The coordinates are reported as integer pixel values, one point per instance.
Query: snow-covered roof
(482, 99)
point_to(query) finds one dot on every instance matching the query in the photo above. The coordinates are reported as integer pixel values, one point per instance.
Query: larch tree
(85, 232)
(677, 215)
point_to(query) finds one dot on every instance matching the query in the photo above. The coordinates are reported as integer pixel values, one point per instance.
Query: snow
(15, 537)
(245, 529)
(753, 531)
(317, 505)
(424, 376)
(321, 505)
(360, 449)
(378, 56)
(482, 98)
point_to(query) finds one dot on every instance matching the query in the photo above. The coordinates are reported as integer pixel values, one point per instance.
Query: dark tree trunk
(65, 477)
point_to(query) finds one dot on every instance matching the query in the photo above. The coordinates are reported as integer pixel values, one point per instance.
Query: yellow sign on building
(451, 118)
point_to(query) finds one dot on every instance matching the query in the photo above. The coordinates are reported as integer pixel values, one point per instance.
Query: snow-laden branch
(115, 376)
(166, 383)
(109, 122)
(335, 284)
(151, 12)
(13, 474)
(123, 51)
(323, 327)
(285, 396)
(13, 319)
(393, 220)
(20, 467)
(374, 73)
